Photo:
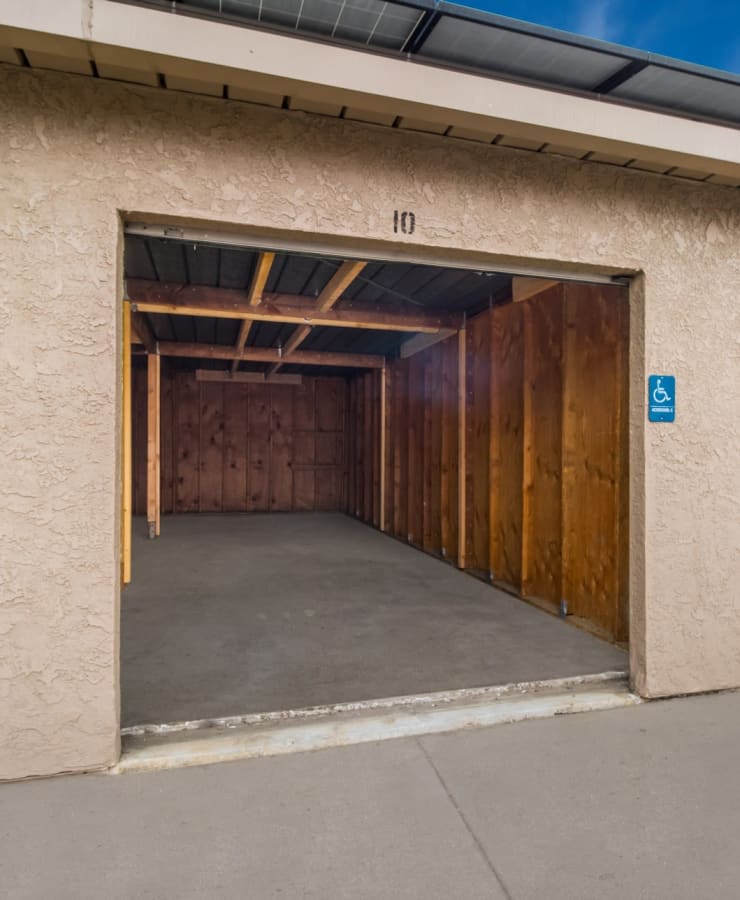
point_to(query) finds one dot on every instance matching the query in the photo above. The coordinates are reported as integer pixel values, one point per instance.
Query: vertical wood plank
(622, 627)
(449, 449)
(368, 439)
(462, 380)
(506, 444)
(400, 460)
(138, 438)
(126, 447)
(235, 448)
(541, 528)
(187, 430)
(415, 471)
(211, 481)
(375, 410)
(528, 386)
(258, 431)
(153, 446)
(383, 437)
(167, 448)
(428, 478)
(590, 456)
(306, 396)
(281, 449)
(479, 329)
(435, 362)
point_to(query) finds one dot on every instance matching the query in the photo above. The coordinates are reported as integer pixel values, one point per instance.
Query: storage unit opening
(302, 426)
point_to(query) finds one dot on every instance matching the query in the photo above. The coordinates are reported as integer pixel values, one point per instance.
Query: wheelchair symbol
(660, 394)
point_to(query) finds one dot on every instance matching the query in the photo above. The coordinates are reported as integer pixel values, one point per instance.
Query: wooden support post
(153, 431)
(461, 446)
(126, 448)
(383, 445)
(527, 448)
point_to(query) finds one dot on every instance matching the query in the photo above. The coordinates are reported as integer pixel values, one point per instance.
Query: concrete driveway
(641, 802)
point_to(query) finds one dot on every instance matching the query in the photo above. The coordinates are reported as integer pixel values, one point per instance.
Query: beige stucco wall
(76, 151)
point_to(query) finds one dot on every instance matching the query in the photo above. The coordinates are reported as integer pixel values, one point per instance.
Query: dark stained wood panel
(592, 389)
(259, 420)
(543, 394)
(211, 482)
(236, 447)
(507, 354)
(187, 442)
(479, 408)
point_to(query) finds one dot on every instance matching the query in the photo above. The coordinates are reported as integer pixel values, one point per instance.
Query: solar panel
(683, 92)
(458, 37)
(374, 23)
(465, 43)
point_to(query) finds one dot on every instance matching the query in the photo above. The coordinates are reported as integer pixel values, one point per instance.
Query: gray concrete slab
(229, 615)
(370, 823)
(635, 803)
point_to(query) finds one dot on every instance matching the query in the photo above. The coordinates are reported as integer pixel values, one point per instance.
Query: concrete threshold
(202, 742)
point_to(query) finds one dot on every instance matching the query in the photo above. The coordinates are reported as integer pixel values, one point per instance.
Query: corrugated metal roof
(446, 34)
(194, 263)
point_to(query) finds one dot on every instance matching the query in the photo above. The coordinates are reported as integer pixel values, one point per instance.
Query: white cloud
(598, 19)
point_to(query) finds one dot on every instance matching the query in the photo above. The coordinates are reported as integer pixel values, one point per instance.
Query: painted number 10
(405, 222)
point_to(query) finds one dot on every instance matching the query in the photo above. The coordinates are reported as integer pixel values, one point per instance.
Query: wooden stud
(272, 354)
(383, 444)
(126, 449)
(461, 447)
(153, 431)
(254, 298)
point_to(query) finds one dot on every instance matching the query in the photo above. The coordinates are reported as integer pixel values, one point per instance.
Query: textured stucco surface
(76, 152)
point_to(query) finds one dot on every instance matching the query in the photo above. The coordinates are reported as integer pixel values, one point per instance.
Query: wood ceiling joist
(291, 309)
(271, 355)
(254, 298)
(336, 286)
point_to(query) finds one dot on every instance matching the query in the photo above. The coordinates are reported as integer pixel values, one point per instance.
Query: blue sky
(705, 32)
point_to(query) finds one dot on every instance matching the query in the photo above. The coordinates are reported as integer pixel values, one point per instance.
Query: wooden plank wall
(421, 449)
(546, 480)
(244, 447)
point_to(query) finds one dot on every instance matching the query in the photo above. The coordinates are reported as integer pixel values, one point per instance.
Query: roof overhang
(141, 44)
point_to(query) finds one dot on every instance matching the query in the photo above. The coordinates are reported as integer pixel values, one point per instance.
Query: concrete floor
(634, 803)
(249, 613)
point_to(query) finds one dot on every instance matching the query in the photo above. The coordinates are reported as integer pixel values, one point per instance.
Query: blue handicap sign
(661, 398)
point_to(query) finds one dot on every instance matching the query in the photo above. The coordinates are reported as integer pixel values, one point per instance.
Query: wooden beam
(126, 448)
(338, 283)
(461, 447)
(218, 375)
(153, 433)
(423, 341)
(254, 298)
(291, 309)
(528, 338)
(271, 355)
(523, 288)
(383, 443)
(141, 331)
